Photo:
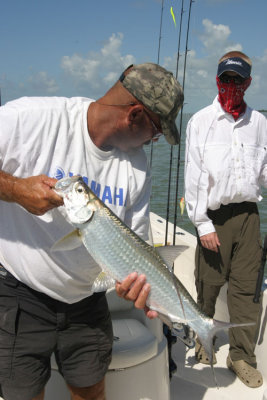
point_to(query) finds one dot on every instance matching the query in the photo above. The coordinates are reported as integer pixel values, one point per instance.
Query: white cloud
(37, 84)
(80, 68)
(40, 82)
(93, 73)
(215, 38)
(256, 94)
(200, 84)
(214, 34)
(98, 70)
(84, 75)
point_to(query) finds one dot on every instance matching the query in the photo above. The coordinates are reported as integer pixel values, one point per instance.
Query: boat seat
(135, 336)
(133, 343)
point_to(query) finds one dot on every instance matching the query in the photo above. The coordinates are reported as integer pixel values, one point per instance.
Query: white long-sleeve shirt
(225, 161)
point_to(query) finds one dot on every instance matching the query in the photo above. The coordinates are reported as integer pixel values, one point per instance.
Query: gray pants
(237, 262)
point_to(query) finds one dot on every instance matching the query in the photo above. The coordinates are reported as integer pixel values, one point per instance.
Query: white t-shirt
(50, 136)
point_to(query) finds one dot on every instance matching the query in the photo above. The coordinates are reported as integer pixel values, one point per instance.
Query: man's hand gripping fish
(119, 251)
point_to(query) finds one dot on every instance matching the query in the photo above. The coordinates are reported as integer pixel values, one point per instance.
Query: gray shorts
(33, 326)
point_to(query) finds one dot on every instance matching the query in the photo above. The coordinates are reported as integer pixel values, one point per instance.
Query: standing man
(226, 164)
(46, 299)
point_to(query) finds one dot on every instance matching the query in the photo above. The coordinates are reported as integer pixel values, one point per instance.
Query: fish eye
(79, 189)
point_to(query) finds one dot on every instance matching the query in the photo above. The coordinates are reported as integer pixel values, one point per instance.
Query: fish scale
(126, 253)
(101, 230)
(119, 252)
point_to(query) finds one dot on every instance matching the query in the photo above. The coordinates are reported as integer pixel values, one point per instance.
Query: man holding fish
(47, 301)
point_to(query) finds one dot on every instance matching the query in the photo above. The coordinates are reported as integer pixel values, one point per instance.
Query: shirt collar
(224, 114)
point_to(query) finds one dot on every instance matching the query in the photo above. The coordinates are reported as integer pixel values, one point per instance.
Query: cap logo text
(233, 62)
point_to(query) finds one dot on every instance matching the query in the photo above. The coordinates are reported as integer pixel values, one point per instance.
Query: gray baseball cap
(158, 90)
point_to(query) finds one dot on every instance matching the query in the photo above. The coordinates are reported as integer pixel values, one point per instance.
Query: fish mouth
(76, 199)
(64, 185)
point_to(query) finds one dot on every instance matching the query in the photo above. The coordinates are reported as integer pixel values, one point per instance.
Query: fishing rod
(256, 298)
(160, 29)
(181, 120)
(171, 150)
(179, 39)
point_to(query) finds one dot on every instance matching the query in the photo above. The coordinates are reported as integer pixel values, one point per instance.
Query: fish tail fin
(206, 338)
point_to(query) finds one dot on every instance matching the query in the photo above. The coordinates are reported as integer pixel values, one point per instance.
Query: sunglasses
(157, 131)
(238, 80)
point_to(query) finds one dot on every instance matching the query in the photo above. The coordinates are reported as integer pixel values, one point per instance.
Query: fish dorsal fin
(69, 242)
(103, 282)
(170, 253)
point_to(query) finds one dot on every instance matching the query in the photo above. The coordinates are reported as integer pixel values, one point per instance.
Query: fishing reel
(184, 333)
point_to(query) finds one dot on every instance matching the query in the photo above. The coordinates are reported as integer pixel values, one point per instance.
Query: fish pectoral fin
(69, 242)
(103, 282)
(170, 253)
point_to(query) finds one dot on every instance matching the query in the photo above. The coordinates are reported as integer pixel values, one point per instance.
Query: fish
(119, 251)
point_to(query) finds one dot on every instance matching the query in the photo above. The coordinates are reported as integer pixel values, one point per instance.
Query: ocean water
(160, 182)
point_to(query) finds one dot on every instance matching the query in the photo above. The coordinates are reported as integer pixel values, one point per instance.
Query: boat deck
(194, 380)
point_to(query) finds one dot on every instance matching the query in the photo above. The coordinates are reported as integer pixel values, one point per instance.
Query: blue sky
(79, 48)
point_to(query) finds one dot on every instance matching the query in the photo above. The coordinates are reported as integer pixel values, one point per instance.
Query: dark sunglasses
(238, 80)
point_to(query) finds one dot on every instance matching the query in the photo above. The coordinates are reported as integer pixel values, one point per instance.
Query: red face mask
(231, 96)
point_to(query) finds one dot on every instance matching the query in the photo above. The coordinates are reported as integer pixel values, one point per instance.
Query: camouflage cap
(158, 90)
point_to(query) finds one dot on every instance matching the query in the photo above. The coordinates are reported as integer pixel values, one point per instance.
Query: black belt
(224, 212)
(8, 277)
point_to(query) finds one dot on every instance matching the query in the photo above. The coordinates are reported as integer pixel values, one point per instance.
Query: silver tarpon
(119, 251)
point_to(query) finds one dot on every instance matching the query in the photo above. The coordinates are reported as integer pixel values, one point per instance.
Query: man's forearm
(7, 183)
(34, 193)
